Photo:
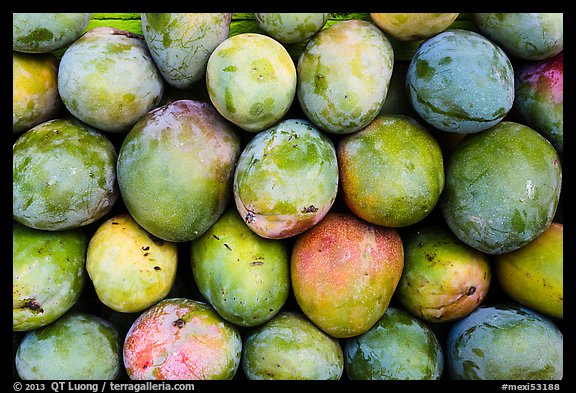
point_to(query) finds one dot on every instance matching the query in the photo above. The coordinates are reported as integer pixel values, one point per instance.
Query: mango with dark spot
(344, 272)
(286, 179)
(502, 187)
(290, 347)
(77, 346)
(459, 81)
(533, 275)
(245, 277)
(181, 43)
(130, 269)
(444, 279)
(48, 274)
(108, 79)
(175, 169)
(505, 341)
(181, 339)
(398, 347)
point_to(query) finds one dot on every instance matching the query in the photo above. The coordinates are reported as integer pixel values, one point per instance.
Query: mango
(505, 341)
(502, 187)
(175, 169)
(35, 97)
(290, 347)
(108, 79)
(251, 80)
(524, 35)
(533, 275)
(443, 279)
(291, 28)
(46, 32)
(181, 339)
(129, 268)
(78, 346)
(392, 171)
(64, 175)
(343, 76)
(460, 81)
(245, 277)
(344, 272)
(398, 347)
(539, 98)
(48, 274)
(181, 43)
(273, 175)
(413, 26)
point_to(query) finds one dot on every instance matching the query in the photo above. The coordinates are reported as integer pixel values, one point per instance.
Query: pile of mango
(288, 196)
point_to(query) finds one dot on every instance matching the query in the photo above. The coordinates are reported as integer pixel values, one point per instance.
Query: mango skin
(524, 35)
(46, 32)
(245, 277)
(398, 347)
(391, 172)
(251, 80)
(48, 274)
(175, 169)
(273, 175)
(344, 272)
(343, 76)
(459, 81)
(497, 205)
(181, 339)
(181, 43)
(291, 28)
(129, 268)
(443, 279)
(35, 97)
(539, 98)
(78, 346)
(64, 175)
(413, 26)
(504, 341)
(108, 79)
(533, 275)
(290, 347)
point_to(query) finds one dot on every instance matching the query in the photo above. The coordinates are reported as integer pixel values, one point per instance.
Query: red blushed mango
(344, 271)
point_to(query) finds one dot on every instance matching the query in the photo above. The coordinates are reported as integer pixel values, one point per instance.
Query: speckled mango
(344, 272)
(504, 342)
(129, 268)
(533, 275)
(443, 279)
(413, 26)
(46, 32)
(502, 187)
(539, 100)
(48, 274)
(291, 347)
(78, 346)
(291, 28)
(175, 169)
(64, 175)
(251, 80)
(181, 339)
(245, 277)
(286, 179)
(391, 172)
(107, 79)
(524, 35)
(181, 43)
(35, 97)
(459, 81)
(398, 347)
(343, 76)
